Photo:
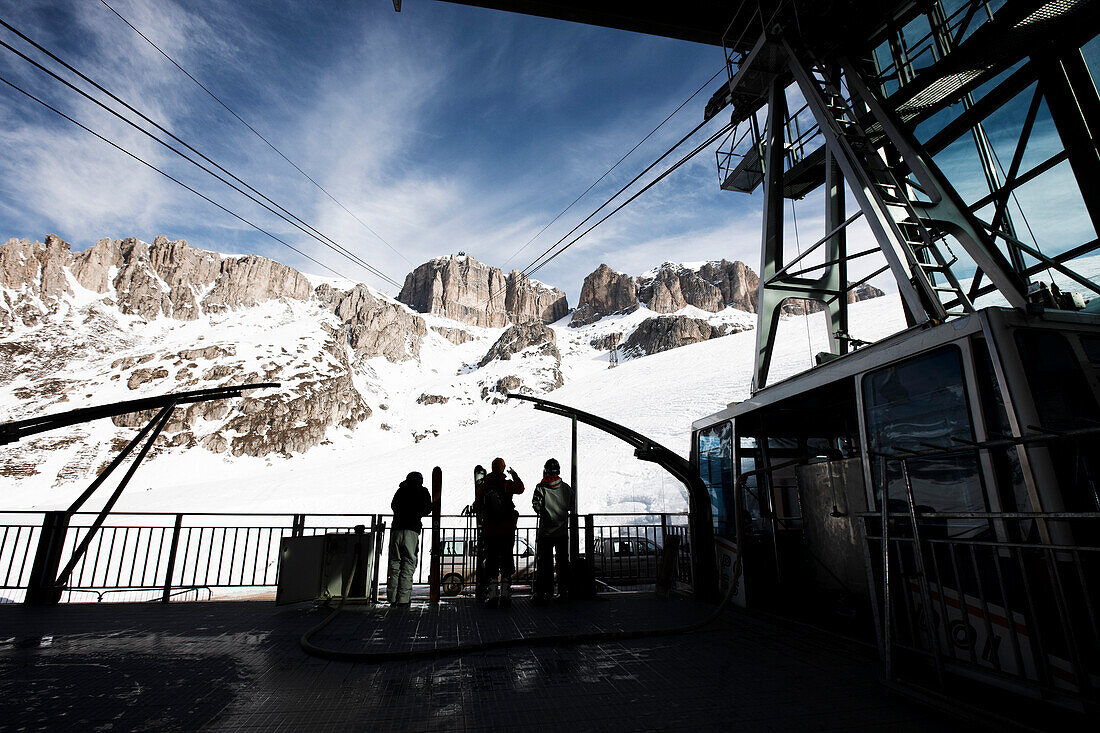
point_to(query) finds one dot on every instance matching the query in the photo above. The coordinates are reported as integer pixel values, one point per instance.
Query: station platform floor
(237, 665)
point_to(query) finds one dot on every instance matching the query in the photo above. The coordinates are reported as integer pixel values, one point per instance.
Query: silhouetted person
(552, 501)
(495, 505)
(410, 504)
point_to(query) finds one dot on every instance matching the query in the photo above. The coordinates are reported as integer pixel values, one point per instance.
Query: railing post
(42, 588)
(590, 541)
(298, 528)
(574, 539)
(378, 530)
(172, 559)
(664, 527)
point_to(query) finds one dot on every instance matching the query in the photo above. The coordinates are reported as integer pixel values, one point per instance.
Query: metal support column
(574, 522)
(836, 250)
(1074, 105)
(42, 589)
(771, 248)
(777, 282)
(155, 426)
(170, 571)
(437, 548)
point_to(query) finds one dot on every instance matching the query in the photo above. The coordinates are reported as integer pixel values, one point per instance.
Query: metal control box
(321, 566)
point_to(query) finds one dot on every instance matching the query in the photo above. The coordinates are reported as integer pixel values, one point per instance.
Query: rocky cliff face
(126, 319)
(663, 333)
(68, 312)
(533, 341)
(461, 288)
(148, 280)
(667, 289)
(671, 287)
(373, 326)
(605, 292)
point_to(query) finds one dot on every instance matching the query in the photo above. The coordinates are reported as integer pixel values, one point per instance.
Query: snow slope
(357, 470)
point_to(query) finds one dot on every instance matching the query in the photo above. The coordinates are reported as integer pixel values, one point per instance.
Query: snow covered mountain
(371, 388)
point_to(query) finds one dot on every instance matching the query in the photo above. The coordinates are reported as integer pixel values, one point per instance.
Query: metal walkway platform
(237, 666)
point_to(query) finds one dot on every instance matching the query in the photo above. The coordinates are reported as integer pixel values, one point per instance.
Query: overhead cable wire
(314, 234)
(118, 147)
(303, 226)
(153, 122)
(535, 266)
(616, 165)
(702, 146)
(256, 133)
(527, 270)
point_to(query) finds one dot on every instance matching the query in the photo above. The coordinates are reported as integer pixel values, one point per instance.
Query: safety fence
(1012, 596)
(198, 556)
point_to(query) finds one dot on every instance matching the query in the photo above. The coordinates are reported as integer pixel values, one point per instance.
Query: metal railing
(981, 595)
(163, 556)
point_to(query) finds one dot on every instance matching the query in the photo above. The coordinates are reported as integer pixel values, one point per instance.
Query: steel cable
(168, 176)
(616, 165)
(702, 146)
(255, 132)
(292, 220)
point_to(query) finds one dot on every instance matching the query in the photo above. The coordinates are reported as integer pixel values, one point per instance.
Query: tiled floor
(238, 665)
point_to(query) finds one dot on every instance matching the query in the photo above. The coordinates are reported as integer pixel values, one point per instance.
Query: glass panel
(749, 453)
(919, 405)
(715, 450)
(1064, 401)
(1009, 475)
(1062, 395)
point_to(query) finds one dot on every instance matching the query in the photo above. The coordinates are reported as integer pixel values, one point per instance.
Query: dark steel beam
(157, 424)
(17, 429)
(989, 103)
(1072, 100)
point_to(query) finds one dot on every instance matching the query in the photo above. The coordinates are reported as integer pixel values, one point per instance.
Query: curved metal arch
(705, 567)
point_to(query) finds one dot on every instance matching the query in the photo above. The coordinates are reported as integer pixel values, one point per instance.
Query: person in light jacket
(552, 501)
(411, 503)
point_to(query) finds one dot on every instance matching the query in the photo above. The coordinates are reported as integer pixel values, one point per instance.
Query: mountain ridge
(126, 318)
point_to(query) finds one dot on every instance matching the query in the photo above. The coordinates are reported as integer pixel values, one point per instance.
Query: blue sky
(445, 128)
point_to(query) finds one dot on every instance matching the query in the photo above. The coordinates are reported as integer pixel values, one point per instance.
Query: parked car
(626, 559)
(458, 561)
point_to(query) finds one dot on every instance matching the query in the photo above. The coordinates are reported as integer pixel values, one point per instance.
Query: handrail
(46, 584)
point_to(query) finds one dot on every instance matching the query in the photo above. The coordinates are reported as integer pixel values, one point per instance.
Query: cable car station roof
(710, 21)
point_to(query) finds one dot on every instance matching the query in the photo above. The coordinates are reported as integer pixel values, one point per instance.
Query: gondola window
(910, 406)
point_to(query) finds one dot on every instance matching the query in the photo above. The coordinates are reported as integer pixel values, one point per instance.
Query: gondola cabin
(983, 435)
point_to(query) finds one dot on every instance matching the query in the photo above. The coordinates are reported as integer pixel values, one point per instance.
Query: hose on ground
(596, 637)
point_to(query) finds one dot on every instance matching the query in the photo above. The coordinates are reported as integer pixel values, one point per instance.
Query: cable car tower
(884, 88)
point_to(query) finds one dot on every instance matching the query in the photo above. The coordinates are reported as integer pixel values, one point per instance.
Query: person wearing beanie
(552, 501)
(411, 503)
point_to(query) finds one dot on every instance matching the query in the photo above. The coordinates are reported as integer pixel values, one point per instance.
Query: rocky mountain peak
(168, 278)
(672, 286)
(462, 289)
(604, 292)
